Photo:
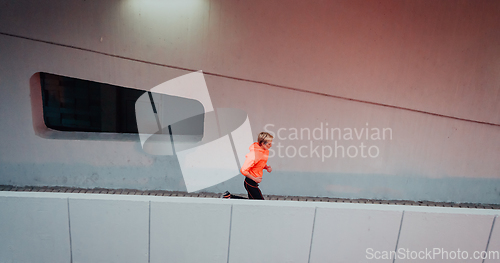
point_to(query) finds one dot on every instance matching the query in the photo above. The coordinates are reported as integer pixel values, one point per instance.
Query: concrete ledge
(442, 233)
(34, 229)
(262, 233)
(343, 235)
(189, 232)
(60, 227)
(58, 189)
(109, 230)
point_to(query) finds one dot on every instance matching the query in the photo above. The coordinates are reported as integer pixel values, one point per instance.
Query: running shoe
(226, 195)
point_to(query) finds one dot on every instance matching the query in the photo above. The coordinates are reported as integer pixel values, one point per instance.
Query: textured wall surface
(427, 72)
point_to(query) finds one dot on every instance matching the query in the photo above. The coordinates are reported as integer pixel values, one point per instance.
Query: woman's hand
(269, 169)
(257, 179)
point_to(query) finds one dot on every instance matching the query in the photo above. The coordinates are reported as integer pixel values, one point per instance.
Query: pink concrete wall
(428, 70)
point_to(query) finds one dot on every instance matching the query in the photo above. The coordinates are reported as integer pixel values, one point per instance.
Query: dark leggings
(252, 189)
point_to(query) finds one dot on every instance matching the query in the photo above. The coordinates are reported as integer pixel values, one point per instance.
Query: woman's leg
(237, 197)
(228, 195)
(253, 189)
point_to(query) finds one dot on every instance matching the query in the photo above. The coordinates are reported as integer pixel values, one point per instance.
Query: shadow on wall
(163, 174)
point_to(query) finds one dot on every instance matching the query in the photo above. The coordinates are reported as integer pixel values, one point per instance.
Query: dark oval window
(71, 104)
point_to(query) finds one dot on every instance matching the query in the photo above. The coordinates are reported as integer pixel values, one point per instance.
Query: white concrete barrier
(494, 245)
(34, 229)
(62, 227)
(345, 235)
(270, 233)
(189, 232)
(109, 230)
(443, 237)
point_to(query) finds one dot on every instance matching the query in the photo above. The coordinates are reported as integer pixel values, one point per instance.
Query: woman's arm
(245, 168)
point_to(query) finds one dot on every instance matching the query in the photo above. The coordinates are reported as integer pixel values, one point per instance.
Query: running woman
(255, 163)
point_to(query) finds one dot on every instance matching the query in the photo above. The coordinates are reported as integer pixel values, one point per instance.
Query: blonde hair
(264, 137)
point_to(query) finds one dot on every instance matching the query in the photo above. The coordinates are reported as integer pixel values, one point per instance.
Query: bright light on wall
(153, 7)
(157, 30)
